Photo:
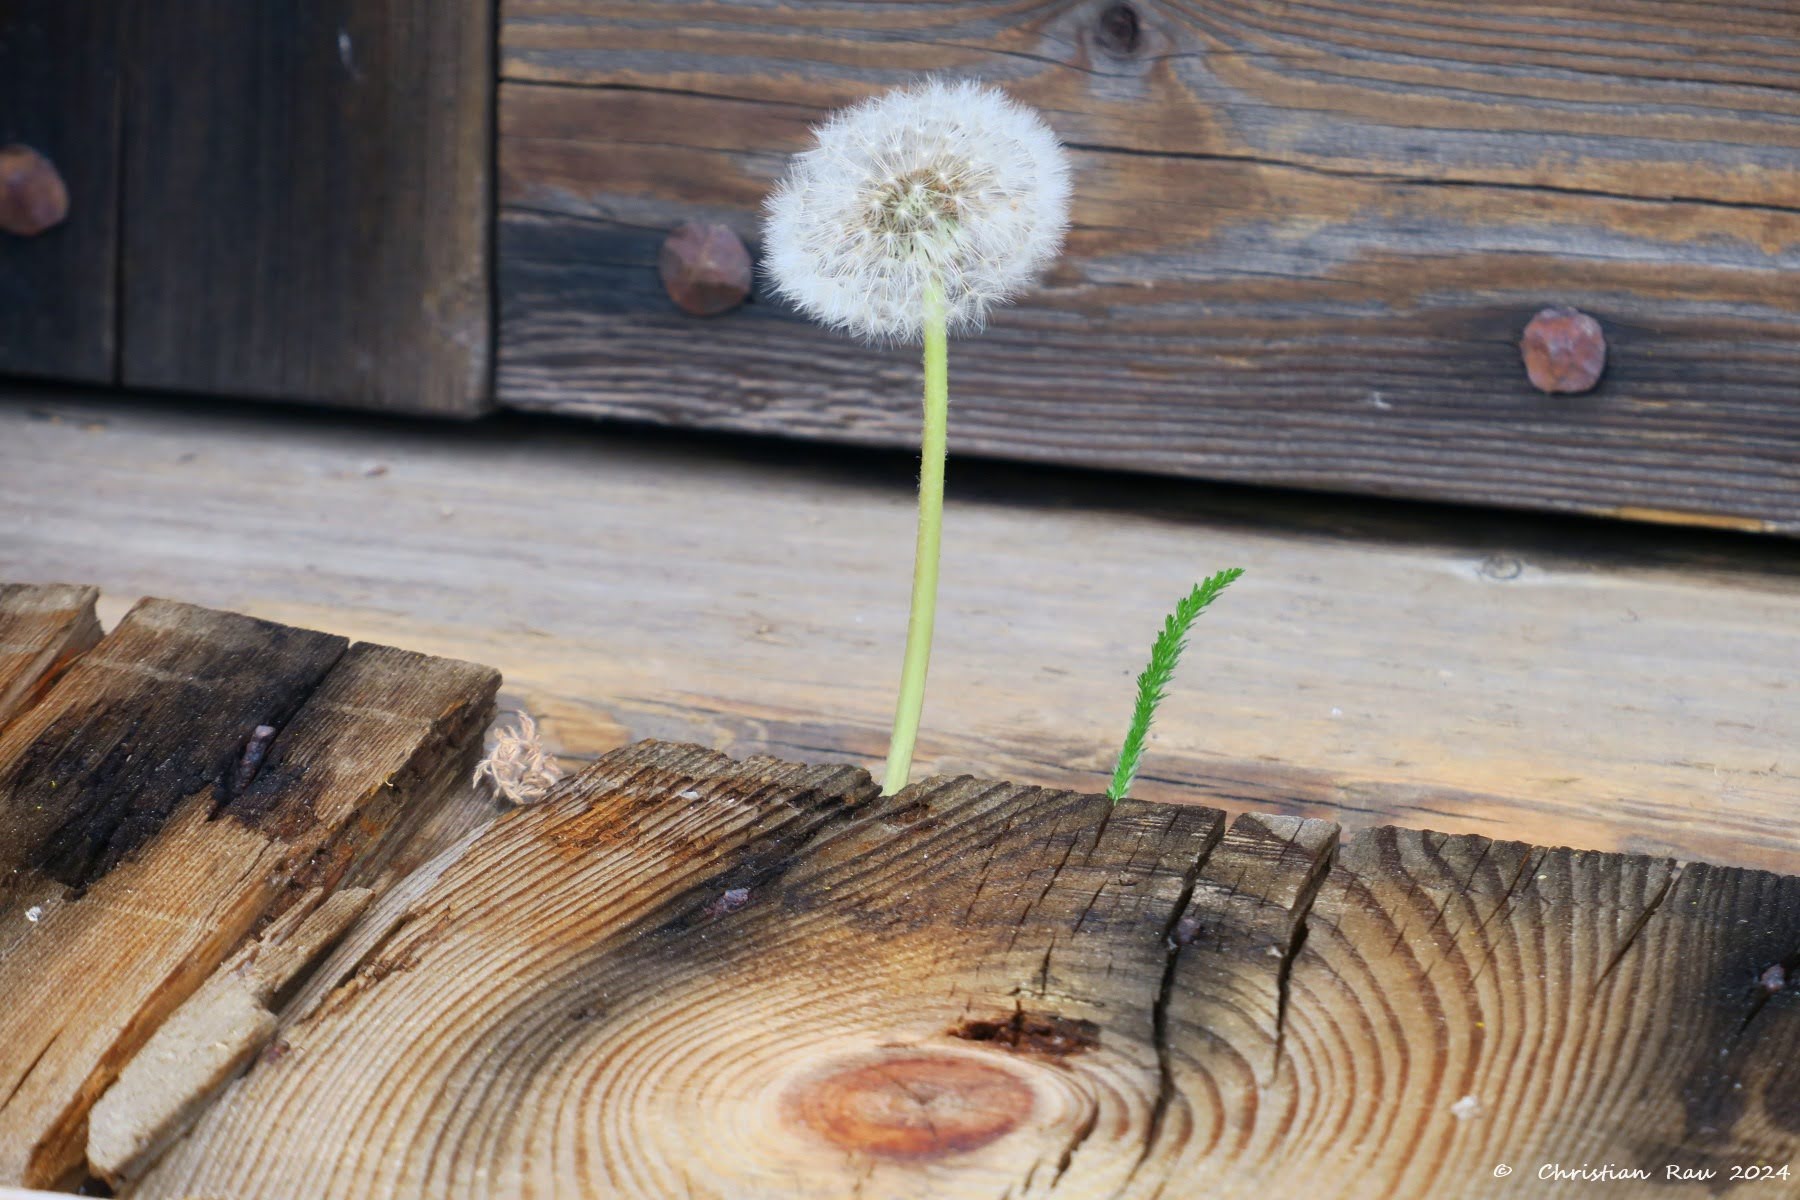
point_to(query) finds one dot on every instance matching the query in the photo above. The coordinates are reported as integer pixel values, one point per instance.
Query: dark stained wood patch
(159, 711)
(60, 78)
(1305, 242)
(329, 240)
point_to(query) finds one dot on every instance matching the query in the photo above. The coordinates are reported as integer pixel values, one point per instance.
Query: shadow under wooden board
(1306, 239)
(687, 975)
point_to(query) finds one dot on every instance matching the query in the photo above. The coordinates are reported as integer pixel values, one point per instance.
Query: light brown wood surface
(1306, 238)
(1582, 684)
(684, 976)
(138, 854)
(41, 626)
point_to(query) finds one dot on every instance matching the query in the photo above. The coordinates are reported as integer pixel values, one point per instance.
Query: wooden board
(686, 976)
(307, 202)
(60, 93)
(41, 627)
(1581, 683)
(139, 851)
(1305, 242)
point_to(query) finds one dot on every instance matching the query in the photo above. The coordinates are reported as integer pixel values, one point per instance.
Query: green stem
(932, 448)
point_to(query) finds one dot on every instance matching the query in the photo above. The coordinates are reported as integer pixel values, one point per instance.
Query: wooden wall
(1306, 239)
(275, 201)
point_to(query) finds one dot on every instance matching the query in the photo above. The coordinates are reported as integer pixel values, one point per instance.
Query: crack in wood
(1638, 924)
(1159, 1012)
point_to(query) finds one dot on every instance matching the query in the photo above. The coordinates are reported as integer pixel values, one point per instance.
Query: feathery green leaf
(1153, 683)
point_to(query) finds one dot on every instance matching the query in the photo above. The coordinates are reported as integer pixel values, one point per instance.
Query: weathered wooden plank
(1304, 244)
(686, 976)
(210, 1038)
(158, 712)
(140, 852)
(1460, 1004)
(307, 195)
(967, 942)
(60, 95)
(41, 628)
(1577, 683)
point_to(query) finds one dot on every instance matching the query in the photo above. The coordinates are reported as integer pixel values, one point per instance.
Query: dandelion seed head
(949, 183)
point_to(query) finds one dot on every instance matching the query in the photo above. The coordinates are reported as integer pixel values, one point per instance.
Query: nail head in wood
(33, 197)
(705, 269)
(1118, 29)
(1564, 351)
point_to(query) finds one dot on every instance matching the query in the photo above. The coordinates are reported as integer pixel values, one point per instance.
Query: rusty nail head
(33, 197)
(705, 269)
(1564, 351)
(1119, 29)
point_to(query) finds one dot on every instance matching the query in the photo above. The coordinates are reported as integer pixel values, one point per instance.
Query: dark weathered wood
(41, 627)
(306, 199)
(137, 854)
(160, 711)
(60, 94)
(1306, 241)
(686, 976)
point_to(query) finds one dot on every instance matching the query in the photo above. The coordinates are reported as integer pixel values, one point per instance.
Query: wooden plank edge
(66, 625)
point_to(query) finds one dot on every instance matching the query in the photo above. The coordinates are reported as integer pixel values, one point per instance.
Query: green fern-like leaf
(1152, 685)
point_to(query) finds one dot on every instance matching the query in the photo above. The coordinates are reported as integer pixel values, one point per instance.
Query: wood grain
(41, 628)
(1460, 1003)
(686, 976)
(968, 939)
(213, 1035)
(138, 858)
(1305, 240)
(1548, 681)
(307, 199)
(60, 93)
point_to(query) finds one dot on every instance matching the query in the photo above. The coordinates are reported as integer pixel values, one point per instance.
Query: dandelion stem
(932, 449)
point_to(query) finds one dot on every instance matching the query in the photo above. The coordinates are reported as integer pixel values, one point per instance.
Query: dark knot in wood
(1564, 351)
(1118, 29)
(33, 197)
(1043, 1034)
(705, 269)
(914, 1106)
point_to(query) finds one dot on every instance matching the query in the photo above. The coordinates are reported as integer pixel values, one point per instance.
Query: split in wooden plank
(41, 628)
(686, 976)
(1224, 1004)
(61, 72)
(141, 851)
(1304, 246)
(211, 1036)
(308, 196)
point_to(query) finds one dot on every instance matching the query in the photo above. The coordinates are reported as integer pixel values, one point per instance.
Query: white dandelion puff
(942, 186)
